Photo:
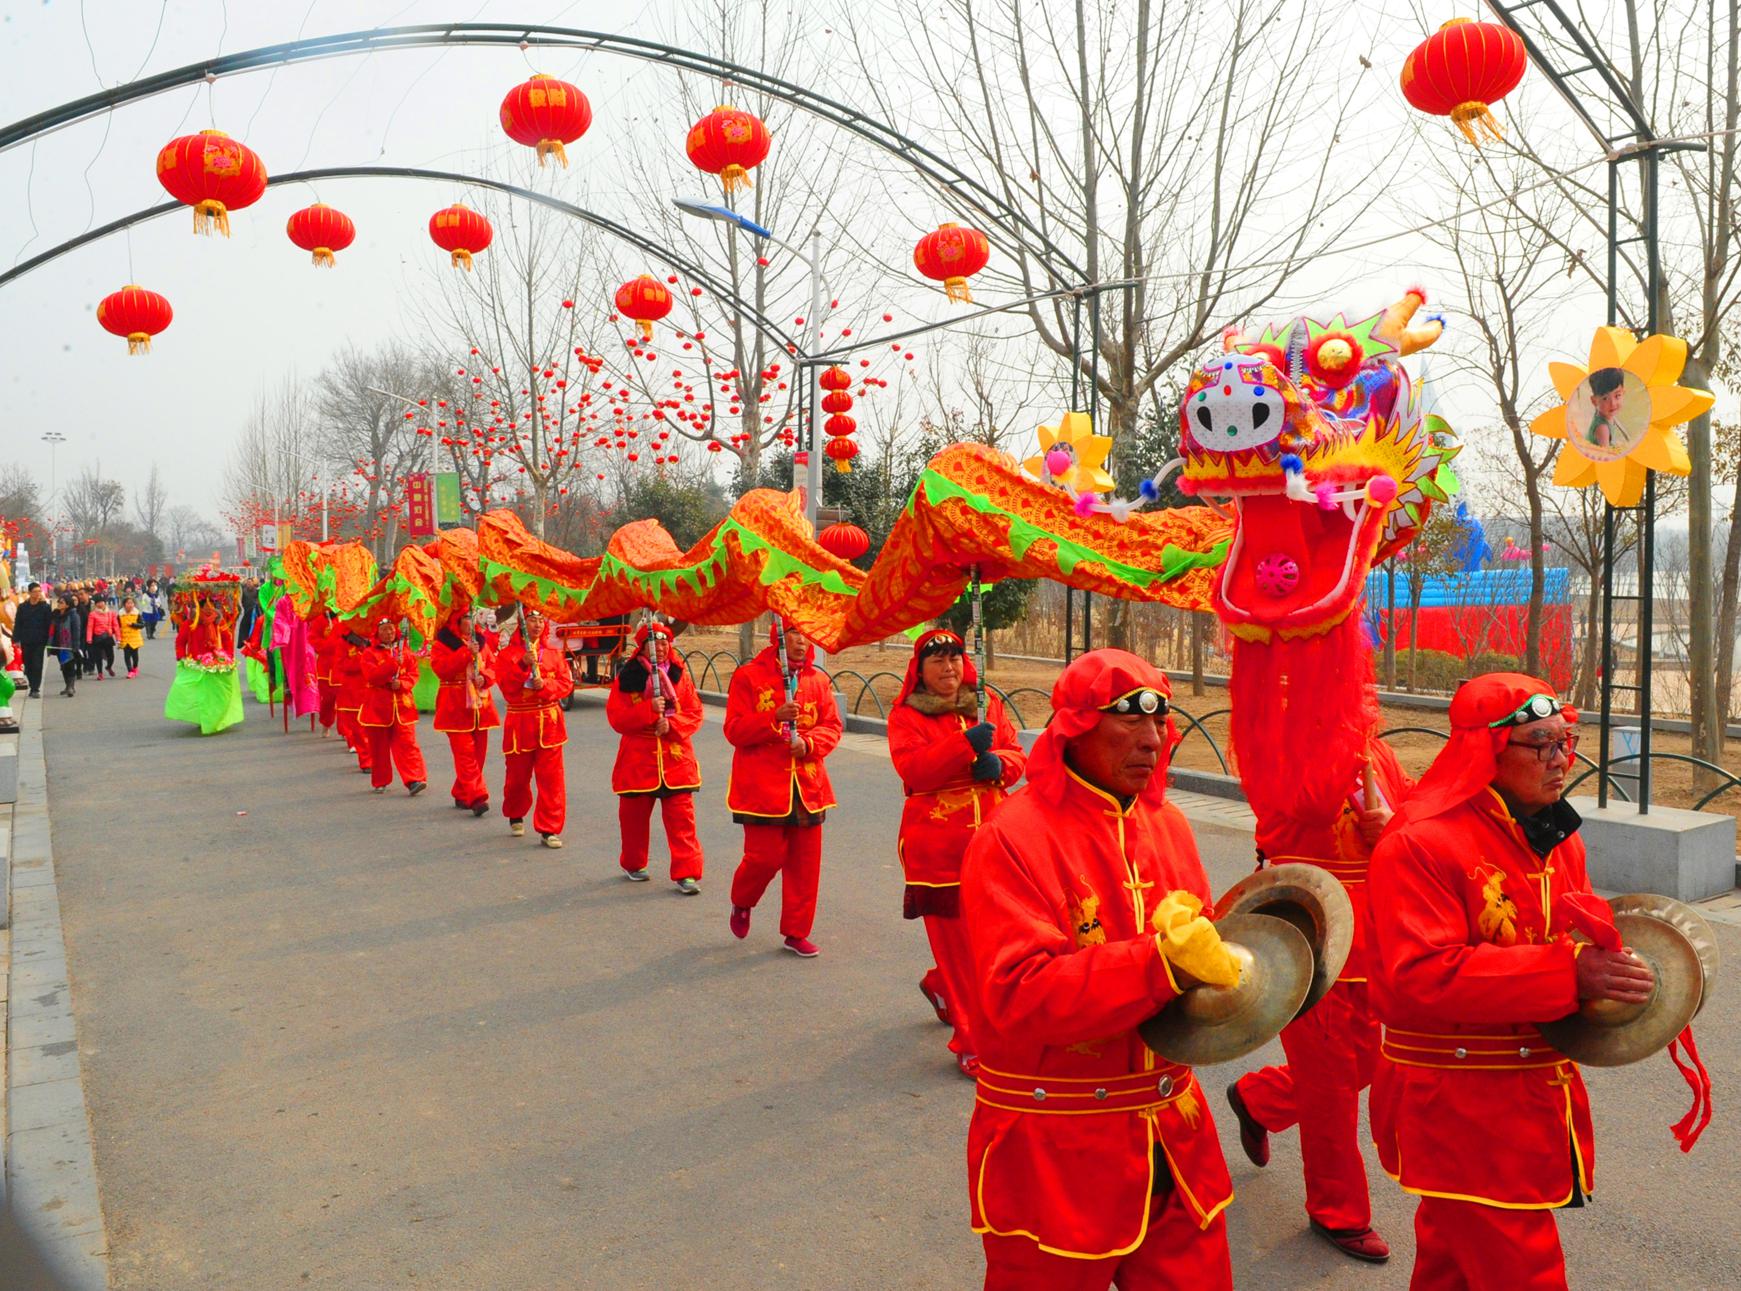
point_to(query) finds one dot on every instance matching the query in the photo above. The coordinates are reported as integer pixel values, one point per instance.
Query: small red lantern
(837, 401)
(545, 113)
(840, 424)
(136, 314)
(462, 232)
(844, 541)
(212, 173)
(841, 452)
(321, 230)
(728, 143)
(951, 255)
(1463, 68)
(644, 299)
(836, 379)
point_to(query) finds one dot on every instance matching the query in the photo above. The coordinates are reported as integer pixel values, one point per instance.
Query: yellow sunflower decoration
(1619, 413)
(1071, 454)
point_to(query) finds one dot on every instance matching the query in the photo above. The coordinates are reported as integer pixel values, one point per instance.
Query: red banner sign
(420, 505)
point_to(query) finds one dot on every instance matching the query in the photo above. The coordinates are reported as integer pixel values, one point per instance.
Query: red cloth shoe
(802, 947)
(934, 997)
(968, 1065)
(1360, 1243)
(740, 921)
(1252, 1135)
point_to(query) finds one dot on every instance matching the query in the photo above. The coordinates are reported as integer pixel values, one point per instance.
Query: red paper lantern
(321, 230)
(644, 299)
(1463, 68)
(840, 424)
(841, 452)
(212, 173)
(136, 314)
(545, 113)
(837, 401)
(728, 143)
(951, 255)
(462, 232)
(836, 379)
(845, 541)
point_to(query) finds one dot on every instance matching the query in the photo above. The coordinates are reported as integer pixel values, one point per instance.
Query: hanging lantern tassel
(734, 177)
(324, 256)
(139, 342)
(552, 148)
(957, 289)
(843, 467)
(462, 259)
(208, 213)
(1476, 120)
(646, 326)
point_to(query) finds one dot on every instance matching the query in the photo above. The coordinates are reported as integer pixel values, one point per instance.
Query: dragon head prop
(1313, 439)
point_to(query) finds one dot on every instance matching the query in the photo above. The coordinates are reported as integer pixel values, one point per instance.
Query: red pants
(954, 974)
(329, 703)
(1175, 1255)
(794, 852)
(544, 766)
(677, 810)
(355, 737)
(394, 746)
(469, 748)
(1331, 1052)
(1463, 1246)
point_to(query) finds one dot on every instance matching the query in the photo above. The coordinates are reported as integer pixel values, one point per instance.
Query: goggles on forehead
(940, 645)
(1150, 703)
(1533, 709)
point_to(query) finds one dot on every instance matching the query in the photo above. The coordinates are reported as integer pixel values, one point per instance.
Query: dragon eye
(1259, 414)
(1204, 419)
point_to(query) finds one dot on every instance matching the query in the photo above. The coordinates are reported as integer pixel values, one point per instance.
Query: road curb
(50, 1179)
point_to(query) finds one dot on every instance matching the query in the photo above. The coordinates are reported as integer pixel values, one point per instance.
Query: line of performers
(1064, 914)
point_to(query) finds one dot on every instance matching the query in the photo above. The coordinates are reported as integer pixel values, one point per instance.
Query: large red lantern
(545, 113)
(844, 541)
(1462, 69)
(462, 232)
(212, 173)
(836, 378)
(321, 230)
(840, 424)
(951, 255)
(645, 300)
(837, 401)
(841, 452)
(136, 314)
(729, 143)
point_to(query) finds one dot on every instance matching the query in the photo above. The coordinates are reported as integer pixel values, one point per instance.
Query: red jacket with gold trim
(380, 665)
(347, 672)
(945, 804)
(461, 706)
(1469, 1101)
(534, 719)
(1057, 902)
(765, 773)
(647, 762)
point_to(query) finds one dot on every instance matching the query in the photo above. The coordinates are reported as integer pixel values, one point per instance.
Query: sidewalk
(49, 1182)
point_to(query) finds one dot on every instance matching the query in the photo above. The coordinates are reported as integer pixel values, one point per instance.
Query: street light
(54, 439)
(813, 454)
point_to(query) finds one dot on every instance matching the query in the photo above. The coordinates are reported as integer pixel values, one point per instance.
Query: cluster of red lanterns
(1461, 70)
(837, 403)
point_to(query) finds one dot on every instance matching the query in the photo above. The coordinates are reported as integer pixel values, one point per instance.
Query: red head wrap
(793, 664)
(969, 675)
(650, 628)
(1087, 686)
(1470, 758)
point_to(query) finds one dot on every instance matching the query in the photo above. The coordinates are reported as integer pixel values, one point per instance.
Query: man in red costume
(324, 635)
(782, 723)
(1331, 1049)
(654, 706)
(389, 713)
(955, 769)
(347, 671)
(1476, 880)
(534, 679)
(1092, 1161)
(462, 658)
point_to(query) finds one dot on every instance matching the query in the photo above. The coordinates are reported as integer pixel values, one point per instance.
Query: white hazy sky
(250, 309)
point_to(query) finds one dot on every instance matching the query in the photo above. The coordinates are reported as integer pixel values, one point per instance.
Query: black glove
(988, 767)
(980, 736)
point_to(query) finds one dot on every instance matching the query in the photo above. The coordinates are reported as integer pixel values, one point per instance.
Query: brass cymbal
(1690, 922)
(1312, 900)
(1208, 1024)
(1603, 1033)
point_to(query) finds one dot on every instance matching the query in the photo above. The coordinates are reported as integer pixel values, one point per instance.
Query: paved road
(338, 1041)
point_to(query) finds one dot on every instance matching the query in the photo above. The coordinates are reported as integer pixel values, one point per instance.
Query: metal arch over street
(1007, 223)
(639, 240)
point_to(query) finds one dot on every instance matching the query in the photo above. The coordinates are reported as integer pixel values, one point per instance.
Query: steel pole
(813, 464)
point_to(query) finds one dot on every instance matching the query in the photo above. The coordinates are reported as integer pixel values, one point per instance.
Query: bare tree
(93, 503)
(274, 459)
(190, 533)
(369, 438)
(149, 502)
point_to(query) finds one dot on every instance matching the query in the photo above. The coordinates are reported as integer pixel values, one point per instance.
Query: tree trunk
(1532, 639)
(1726, 613)
(1196, 654)
(990, 651)
(1416, 587)
(1701, 584)
(1390, 625)
(540, 505)
(1584, 685)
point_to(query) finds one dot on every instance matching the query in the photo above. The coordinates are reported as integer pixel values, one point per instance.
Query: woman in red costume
(462, 658)
(324, 635)
(389, 713)
(655, 708)
(347, 671)
(955, 768)
(782, 722)
(1479, 880)
(534, 678)
(1091, 1160)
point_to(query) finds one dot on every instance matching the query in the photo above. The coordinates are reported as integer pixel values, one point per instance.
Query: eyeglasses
(1566, 746)
(1150, 703)
(1533, 709)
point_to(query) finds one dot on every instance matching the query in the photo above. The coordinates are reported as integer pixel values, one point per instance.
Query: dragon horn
(1394, 326)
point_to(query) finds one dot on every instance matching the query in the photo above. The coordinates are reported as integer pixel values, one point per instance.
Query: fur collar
(936, 706)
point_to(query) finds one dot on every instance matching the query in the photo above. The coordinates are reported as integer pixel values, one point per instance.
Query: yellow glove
(1191, 942)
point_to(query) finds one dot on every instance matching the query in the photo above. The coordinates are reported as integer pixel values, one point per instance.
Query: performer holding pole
(462, 658)
(389, 714)
(347, 671)
(534, 679)
(782, 722)
(654, 706)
